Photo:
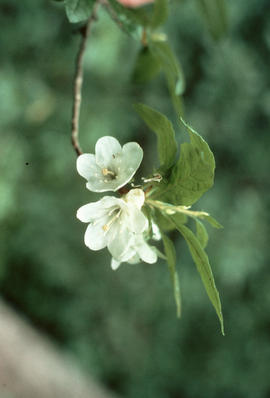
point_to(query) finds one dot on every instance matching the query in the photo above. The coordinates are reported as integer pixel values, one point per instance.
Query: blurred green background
(121, 326)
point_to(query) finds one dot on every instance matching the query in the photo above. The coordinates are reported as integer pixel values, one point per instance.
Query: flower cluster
(116, 223)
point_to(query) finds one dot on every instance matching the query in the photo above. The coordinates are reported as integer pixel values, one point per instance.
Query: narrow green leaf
(160, 14)
(163, 223)
(173, 71)
(164, 130)
(170, 64)
(202, 262)
(146, 66)
(78, 10)
(160, 254)
(215, 15)
(166, 224)
(212, 221)
(193, 174)
(171, 259)
(201, 233)
(132, 21)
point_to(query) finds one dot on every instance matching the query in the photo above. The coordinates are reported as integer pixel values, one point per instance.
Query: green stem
(171, 209)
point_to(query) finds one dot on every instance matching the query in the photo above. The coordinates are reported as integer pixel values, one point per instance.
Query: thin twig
(78, 80)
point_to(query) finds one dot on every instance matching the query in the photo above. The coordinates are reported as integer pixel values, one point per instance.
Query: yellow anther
(107, 172)
(107, 226)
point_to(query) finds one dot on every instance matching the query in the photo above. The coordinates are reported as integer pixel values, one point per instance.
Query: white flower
(138, 250)
(113, 222)
(156, 235)
(112, 166)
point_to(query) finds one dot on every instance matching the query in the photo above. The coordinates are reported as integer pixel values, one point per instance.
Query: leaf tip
(222, 330)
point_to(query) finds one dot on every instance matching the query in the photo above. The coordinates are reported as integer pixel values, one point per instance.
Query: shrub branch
(78, 80)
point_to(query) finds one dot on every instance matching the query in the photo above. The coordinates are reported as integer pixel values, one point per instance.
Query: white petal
(134, 219)
(107, 148)
(136, 197)
(95, 237)
(87, 167)
(102, 184)
(147, 253)
(93, 211)
(125, 165)
(155, 231)
(132, 155)
(119, 238)
(128, 255)
(115, 264)
(134, 259)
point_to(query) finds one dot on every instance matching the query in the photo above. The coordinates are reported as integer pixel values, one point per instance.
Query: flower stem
(78, 80)
(171, 209)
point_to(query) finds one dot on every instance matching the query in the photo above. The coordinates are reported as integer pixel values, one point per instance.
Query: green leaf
(215, 15)
(211, 221)
(164, 130)
(130, 21)
(173, 71)
(166, 224)
(201, 233)
(193, 174)
(163, 223)
(160, 14)
(171, 259)
(78, 10)
(160, 254)
(202, 262)
(146, 66)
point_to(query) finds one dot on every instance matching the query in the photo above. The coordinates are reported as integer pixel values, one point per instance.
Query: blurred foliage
(121, 325)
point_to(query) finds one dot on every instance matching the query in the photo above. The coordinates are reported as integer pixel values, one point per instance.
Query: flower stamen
(107, 172)
(107, 226)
